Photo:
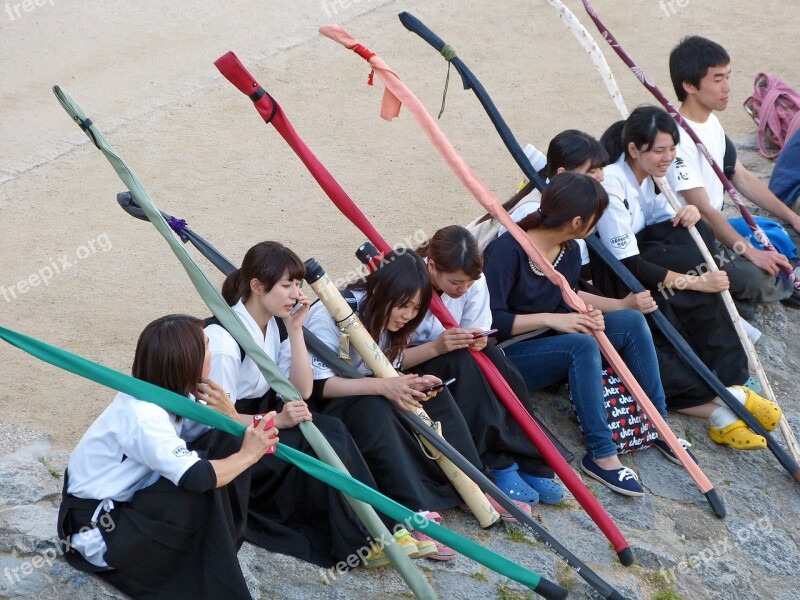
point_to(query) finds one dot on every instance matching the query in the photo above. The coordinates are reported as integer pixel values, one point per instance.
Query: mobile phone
(296, 308)
(481, 334)
(270, 424)
(438, 386)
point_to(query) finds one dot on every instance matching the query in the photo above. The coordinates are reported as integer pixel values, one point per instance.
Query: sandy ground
(143, 71)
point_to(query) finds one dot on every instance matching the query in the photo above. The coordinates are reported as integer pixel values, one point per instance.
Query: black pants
(700, 318)
(166, 543)
(291, 512)
(498, 437)
(401, 469)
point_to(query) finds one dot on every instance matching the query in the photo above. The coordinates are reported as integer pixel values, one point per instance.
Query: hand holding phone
(269, 425)
(437, 386)
(481, 334)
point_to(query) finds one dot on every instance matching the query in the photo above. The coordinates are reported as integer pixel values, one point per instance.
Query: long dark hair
(454, 248)
(267, 262)
(393, 284)
(641, 128)
(170, 353)
(569, 150)
(568, 195)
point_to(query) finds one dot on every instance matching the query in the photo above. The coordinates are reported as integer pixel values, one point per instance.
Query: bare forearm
(301, 374)
(755, 190)
(723, 230)
(525, 323)
(227, 469)
(419, 354)
(336, 387)
(602, 303)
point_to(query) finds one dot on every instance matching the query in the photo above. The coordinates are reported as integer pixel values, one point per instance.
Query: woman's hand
(478, 343)
(643, 302)
(452, 339)
(404, 390)
(296, 320)
(292, 414)
(258, 440)
(576, 322)
(214, 396)
(688, 216)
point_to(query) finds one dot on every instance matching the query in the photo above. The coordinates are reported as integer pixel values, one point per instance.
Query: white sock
(752, 332)
(724, 416)
(737, 392)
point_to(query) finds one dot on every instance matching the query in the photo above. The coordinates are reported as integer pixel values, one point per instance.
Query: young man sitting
(700, 72)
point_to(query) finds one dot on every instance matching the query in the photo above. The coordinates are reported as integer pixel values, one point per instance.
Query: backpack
(775, 108)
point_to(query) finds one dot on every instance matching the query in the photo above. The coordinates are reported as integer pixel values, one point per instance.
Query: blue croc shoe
(623, 480)
(667, 451)
(549, 491)
(513, 485)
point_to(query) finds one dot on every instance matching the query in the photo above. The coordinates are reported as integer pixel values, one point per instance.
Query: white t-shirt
(691, 169)
(241, 379)
(321, 324)
(631, 208)
(529, 206)
(470, 310)
(130, 445)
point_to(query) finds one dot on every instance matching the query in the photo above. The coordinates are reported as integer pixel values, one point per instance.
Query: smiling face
(278, 301)
(714, 90)
(454, 284)
(656, 161)
(399, 316)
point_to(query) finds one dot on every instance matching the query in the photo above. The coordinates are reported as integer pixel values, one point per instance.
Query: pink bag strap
(768, 117)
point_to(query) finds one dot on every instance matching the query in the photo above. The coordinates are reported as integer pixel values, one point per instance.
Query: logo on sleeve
(181, 451)
(680, 168)
(316, 362)
(621, 241)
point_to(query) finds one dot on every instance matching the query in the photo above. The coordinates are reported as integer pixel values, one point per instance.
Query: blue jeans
(576, 357)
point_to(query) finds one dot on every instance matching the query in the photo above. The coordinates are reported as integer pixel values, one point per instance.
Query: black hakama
(498, 437)
(402, 471)
(699, 317)
(166, 543)
(291, 512)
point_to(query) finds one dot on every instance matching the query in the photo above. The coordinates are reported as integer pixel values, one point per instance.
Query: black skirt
(499, 439)
(700, 318)
(291, 512)
(166, 543)
(401, 469)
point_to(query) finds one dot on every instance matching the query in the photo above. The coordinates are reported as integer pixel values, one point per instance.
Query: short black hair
(691, 59)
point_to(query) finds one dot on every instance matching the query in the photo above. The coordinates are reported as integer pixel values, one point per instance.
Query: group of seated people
(183, 497)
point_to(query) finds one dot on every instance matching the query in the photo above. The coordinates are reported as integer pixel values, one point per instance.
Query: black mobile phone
(438, 386)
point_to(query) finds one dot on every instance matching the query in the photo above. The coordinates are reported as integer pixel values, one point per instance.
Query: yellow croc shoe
(766, 412)
(737, 436)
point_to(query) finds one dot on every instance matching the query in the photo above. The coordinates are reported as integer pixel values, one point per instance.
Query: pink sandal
(443, 552)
